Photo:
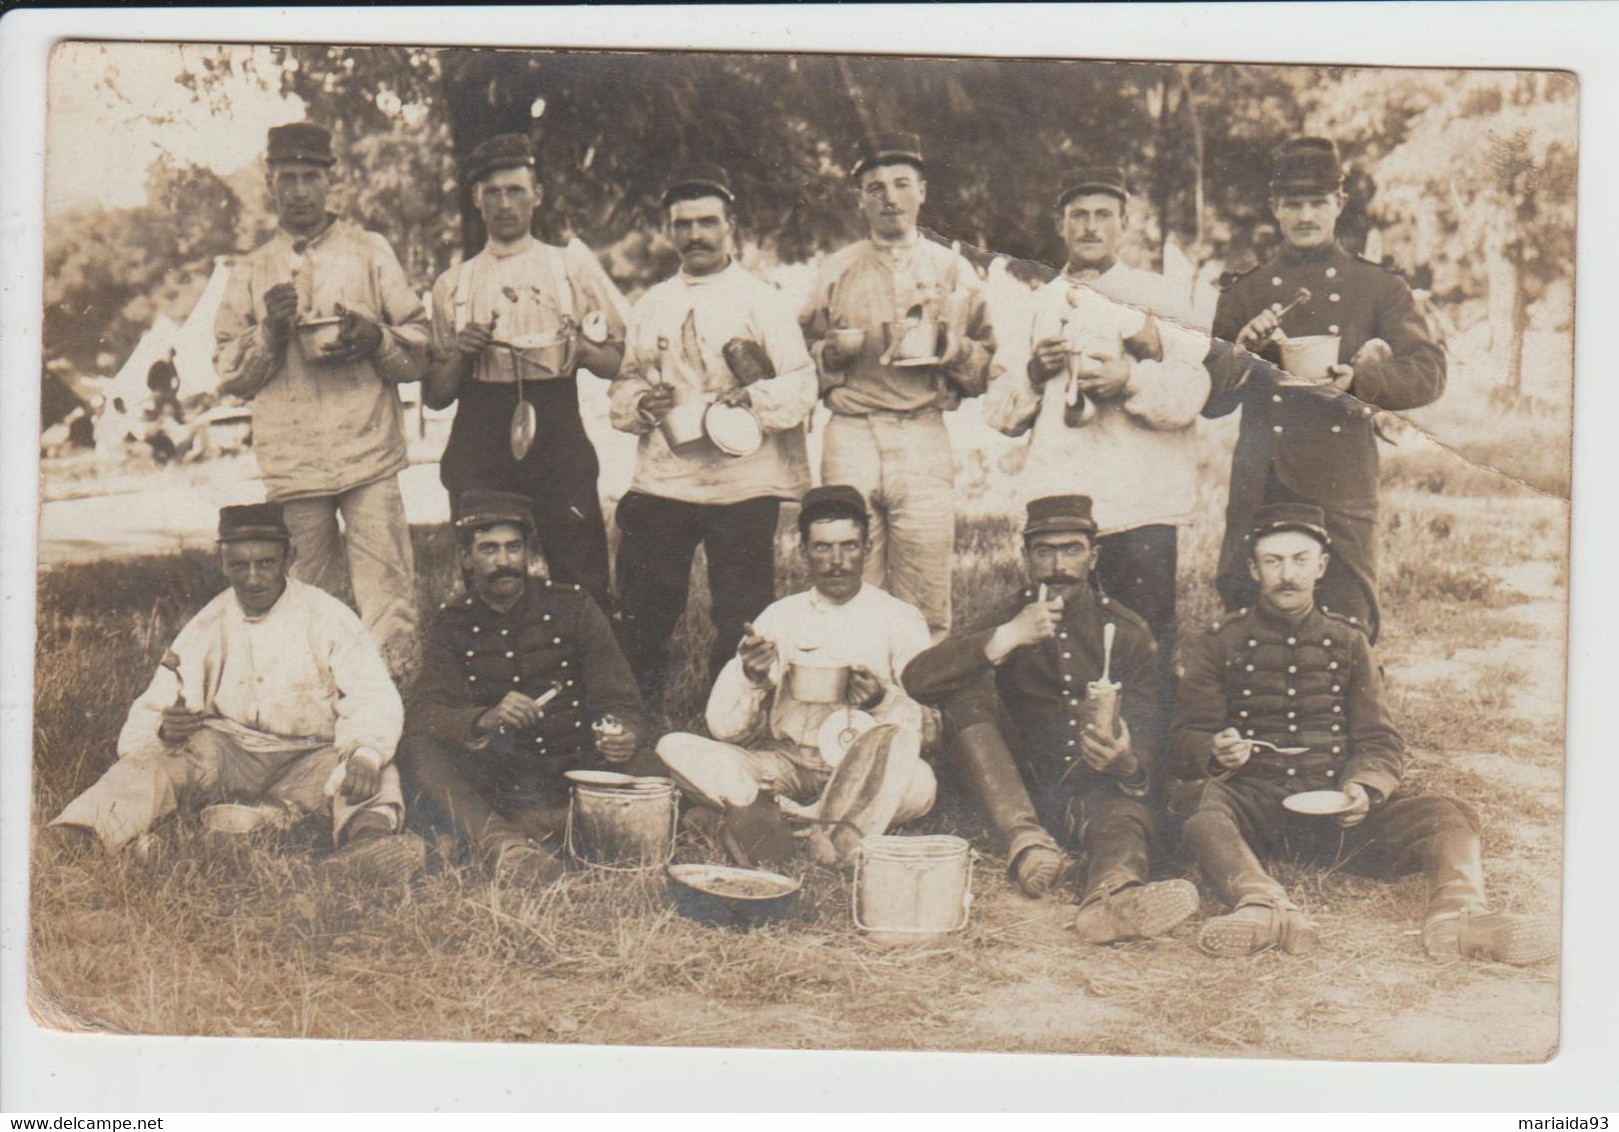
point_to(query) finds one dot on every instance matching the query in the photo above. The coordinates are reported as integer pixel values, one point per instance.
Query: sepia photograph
(813, 551)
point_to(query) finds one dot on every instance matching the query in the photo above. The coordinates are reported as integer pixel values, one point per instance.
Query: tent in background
(129, 382)
(194, 341)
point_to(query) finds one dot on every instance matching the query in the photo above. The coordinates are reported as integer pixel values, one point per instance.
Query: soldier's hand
(1103, 378)
(357, 339)
(738, 396)
(362, 776)
(280, 309)
(179, 724)
(1038, 621)
(1146, 344)
(515, 710)
(758, 655)
(865, 689)
(1341, 376)
(1259, 330)
(656, 402)
(832, 358)
(1049, 360)
(618, 748)
(1108, 754)
(1231, 750)
(1371, 352)
(1362, 805)
(474, 338)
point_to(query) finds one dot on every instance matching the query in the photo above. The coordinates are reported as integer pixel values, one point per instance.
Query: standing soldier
(900, 330)
(1111, 381)
(711, 334)
(318, 328)
(511, 328)
(1314, 442)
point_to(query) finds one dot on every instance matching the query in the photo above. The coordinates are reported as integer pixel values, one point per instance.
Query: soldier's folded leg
(1119, 902)
(138, 792)
(881, 780)
(980, 753)
(715, 774)
(444, 787)
(1216, 837)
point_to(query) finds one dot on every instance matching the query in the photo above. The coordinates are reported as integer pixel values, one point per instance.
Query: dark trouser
(495, 796)
(657, 539)
(1239, 819)
(1114, 830)
(1137, 568)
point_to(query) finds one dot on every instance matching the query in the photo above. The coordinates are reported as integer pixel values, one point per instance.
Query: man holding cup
(1055, 726)
(712, 334)
(521, 682)
(512, 327)
(1286, 699)
(1110, 381)
(900, 331)
(1308, 437)
(811, 706)
(319, 327)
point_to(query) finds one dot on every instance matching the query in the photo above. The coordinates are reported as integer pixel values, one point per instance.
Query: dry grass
(205, 937)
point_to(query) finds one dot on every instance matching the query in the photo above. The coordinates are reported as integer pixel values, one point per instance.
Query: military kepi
(1093, 179)
(300, 141)
(481, 508)
(1067, 514)
(832, 501)
(1306, 165)
(690, 181)
(1304, 517)
(253, 521)
(884, 149)
(503, 151)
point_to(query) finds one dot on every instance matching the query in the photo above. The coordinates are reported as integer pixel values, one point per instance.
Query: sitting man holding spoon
(1282, 708)
(1039, 678)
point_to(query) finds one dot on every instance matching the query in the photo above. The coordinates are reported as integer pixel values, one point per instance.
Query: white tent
(194, 343)
(130, 381)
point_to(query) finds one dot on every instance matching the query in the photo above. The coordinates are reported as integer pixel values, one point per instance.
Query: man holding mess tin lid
(717, 384)
(1351, 341)
(811, 708)
(522, 681)
(512, 327)
(318, 327)
(1282, 718)
(1055, 725)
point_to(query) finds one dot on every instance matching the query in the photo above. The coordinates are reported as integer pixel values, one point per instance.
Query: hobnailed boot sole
(1236, 936)
(527, 866)
(1499, 937)
(1038, 870)
(1142, 911)
(388, 859)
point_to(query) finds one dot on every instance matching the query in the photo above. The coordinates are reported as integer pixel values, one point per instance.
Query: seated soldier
(765, 735)
(272, 693)
(1030, 676)
(521, 682)
(1285, 698)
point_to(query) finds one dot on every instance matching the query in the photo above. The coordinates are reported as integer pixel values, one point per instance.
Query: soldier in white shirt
(765, 736)
(272, 694)
(1110, 380)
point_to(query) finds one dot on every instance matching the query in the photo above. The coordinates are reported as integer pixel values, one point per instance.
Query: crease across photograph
(803, 551)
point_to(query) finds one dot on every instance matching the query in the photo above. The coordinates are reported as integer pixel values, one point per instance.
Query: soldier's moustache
(497, 575)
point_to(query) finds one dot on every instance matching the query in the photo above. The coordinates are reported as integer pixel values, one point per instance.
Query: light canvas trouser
(212, 765)
(708, 765)
(903, 465)
(372, 550)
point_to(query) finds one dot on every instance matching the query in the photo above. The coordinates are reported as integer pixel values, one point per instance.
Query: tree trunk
(1196, 120)
(1520, 323)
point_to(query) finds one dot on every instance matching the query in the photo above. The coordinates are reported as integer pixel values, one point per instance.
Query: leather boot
(981, 754)
(1257, 927)
(1138, 911)
(1499, 937)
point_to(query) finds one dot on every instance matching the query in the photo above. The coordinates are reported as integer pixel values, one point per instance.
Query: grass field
(244, 938)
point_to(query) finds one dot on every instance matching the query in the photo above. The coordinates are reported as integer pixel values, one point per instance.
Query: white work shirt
(304, 671)
(873, 628)
(1136, 458)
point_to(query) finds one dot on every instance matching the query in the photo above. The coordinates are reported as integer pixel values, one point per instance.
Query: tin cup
(1309, 357)
(1102, 707)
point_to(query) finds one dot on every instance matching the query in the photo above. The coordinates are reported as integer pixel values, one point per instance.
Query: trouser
(371, 551)
(1348, 588)
(1137, 568)
(708, 767)
(213, 765)
(494, 796)
(1239, 819)
(1114, 831)
(903, 465)
(658, 538)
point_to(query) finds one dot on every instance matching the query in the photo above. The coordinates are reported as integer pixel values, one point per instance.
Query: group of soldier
(276, 690)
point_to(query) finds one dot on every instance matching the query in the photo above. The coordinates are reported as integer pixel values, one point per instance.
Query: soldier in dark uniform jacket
(1316, 445)
(1026, 678)
(517, 676)
(1284, 698)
